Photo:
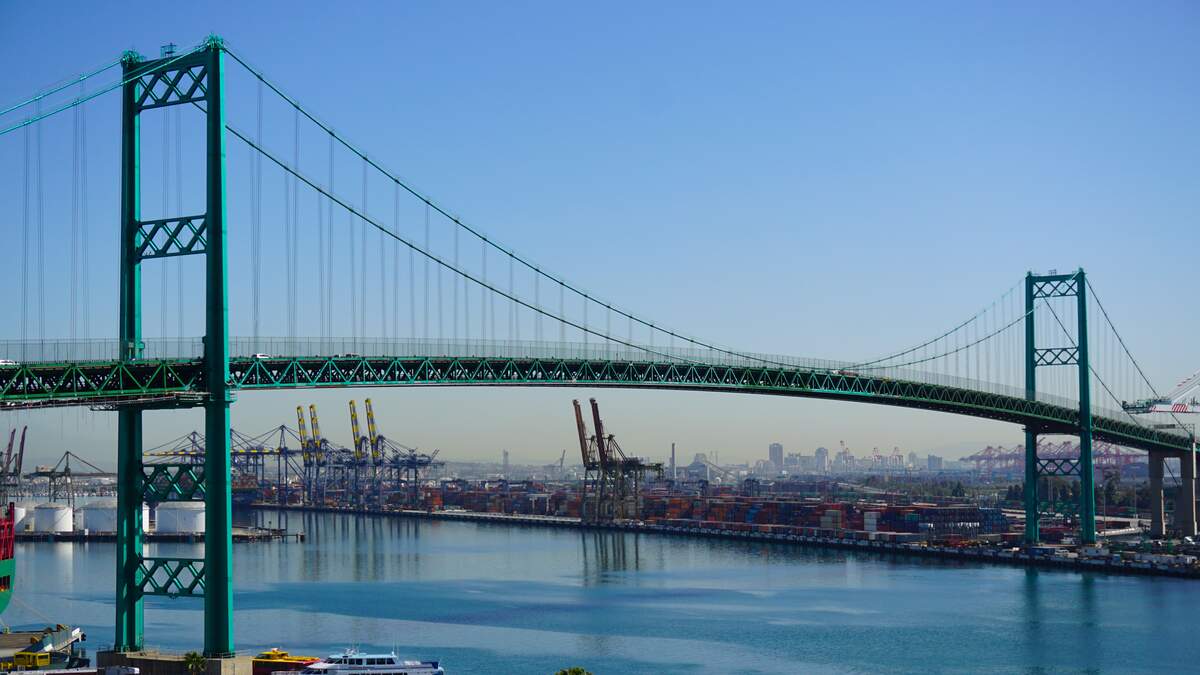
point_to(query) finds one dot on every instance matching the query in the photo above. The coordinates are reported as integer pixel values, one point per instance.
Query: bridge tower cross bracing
(1038, 287)
(194, 78)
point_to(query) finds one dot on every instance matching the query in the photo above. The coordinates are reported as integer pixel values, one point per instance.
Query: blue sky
(792, 178)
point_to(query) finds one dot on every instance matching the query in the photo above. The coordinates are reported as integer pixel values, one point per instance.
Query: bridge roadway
(179, 382)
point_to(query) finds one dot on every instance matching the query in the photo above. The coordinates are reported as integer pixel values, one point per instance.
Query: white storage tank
(101, 516)
(23, 515)
(180, 518)
(56, 518)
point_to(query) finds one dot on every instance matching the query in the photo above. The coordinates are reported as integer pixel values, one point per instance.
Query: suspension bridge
(397, 291)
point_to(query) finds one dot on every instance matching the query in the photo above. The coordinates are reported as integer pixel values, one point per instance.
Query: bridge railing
(103, 349)
(60, 351)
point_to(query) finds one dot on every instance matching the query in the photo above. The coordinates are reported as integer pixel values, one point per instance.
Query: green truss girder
(185, 82)
(1056, 286)
(1058, 467)
(170, 237)
(1056, 356)
(173, 482)
(97, 379)
(171, 577)
(84, 383)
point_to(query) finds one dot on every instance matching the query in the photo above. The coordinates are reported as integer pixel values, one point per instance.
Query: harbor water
(486, 598)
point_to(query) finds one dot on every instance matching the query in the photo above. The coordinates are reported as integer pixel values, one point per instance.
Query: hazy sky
(789, 178)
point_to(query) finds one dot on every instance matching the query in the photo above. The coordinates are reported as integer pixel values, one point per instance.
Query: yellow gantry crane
(373, 436)
(305, 448)
(358, 439)
(318, 454)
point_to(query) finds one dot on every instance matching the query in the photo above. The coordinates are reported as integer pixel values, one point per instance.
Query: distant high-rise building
(821, 460)
(775, 454)
(913, 459)
(934, 463)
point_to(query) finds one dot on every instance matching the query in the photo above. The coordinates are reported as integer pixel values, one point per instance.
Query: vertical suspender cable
(287, 252)
(466, 295)
(353, 280)
(441, 310)
(562, 313)
(396, 267)
(383, 287)
(85, 286)
(454, 323)
(294, 297)
(72, 290)
(179, 212)
(513, 305)
(608, 330)
(321, 264)
(41, 235)
(425, 334)
(412, 293)
(329, 260)
(537, 317)
(362, 318)
(492, 316)
(256, 225)
(163, 265)
(483, 256)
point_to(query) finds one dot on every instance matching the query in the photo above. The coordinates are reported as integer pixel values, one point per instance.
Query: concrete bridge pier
(1158, 522)
(1185, 505)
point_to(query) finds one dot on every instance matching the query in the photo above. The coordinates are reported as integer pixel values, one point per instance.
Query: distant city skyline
(827, 181)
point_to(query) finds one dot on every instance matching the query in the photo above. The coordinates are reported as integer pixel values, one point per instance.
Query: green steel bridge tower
(1040, 287)
(191, 79)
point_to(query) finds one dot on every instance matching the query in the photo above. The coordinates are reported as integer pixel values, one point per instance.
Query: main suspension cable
(482, 237)
(927, 343)
(433, 258)
(100, 92)
(54, 89)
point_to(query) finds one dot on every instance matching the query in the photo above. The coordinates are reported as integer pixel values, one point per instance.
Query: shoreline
(999, 556)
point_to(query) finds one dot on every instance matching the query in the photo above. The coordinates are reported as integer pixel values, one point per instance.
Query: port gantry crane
(320, 453)
(308, 452)
(10, 475)
(1181, 399)
(403, 464)
(361, 451)
(556, 469)
(60, 479)
(613, 481)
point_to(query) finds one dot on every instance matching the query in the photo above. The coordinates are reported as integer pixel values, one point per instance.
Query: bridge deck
(180, 382)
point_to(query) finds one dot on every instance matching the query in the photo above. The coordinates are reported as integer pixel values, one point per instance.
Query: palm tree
(194, 662)
(576, 670)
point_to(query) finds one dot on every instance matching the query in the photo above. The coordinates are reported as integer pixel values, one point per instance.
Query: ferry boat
(352, 662)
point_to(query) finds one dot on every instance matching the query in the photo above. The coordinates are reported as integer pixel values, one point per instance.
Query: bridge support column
(128, 630)
(1185, 504)
(128, 636)
(1158, 523)
(1087, 471)
(218, 531)
(1031, 488)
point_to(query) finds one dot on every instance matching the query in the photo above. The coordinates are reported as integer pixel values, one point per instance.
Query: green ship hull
(8, 570)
